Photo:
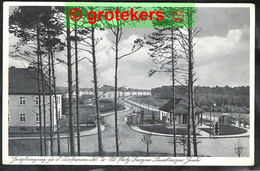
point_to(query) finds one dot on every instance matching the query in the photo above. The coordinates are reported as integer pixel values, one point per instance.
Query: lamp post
(211, 104)
(232, 119)
(239, 122)
(210, 121)
(148, 105)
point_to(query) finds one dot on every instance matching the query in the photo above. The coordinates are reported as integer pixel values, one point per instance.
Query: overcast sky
(221, 54)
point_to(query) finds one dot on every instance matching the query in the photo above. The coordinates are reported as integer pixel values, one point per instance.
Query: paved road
(131, 141)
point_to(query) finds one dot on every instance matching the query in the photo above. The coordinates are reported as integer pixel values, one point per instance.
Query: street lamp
(239, 122)
(211, 104)
(232, 119)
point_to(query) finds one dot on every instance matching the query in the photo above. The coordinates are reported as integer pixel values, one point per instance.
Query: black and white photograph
(127, 95)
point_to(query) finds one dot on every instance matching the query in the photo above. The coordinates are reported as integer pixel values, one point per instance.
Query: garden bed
(227, 130)
(164, 130)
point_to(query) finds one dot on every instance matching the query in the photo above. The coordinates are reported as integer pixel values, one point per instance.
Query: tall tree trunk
(183, 149)
(190, 78)
(56, 103)
(39, 86)
(192, 82)
(115, 103)
(70, 87)
(44, 107)
(50, 94)
(147, 150)
(100, 146)
(189, 112)
(173, 95)
(77, 88)
(194, 125)
(188, 124)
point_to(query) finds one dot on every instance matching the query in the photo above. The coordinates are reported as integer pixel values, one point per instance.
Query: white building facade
(23, 102)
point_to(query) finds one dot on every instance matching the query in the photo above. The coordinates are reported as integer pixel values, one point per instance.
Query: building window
(22, 118)
(37, 117)
(36, 100)
(8, 117)
(22, 101)
(58, 100)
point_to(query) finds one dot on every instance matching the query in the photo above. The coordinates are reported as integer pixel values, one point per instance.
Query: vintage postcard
(128, 83)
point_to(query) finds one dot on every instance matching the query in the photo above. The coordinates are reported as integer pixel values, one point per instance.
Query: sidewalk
(203, 134)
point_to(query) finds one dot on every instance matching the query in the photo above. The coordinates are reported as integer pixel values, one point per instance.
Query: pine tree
(117, 30)
(164, 54)
(87, 38)
(186, 37)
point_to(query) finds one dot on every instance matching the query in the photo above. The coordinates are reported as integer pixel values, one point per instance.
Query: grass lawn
(37, 134)
(26, 134)
(24, 147)
(164, 130)
(107, 105)
(227, 130)
(82, 128)
(150, 100)
(148, 115)
(87, 111)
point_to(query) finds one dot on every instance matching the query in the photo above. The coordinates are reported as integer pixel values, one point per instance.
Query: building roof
(106, 88)
(180, 107)
(168, 106)
(86, 89)
(24, 81)
(64, 90)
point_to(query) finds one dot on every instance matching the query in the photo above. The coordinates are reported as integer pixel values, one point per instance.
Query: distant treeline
(227, 99)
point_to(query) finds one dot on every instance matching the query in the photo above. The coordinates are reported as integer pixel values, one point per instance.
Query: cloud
(223, 60)
(219, 60)
(233, 35)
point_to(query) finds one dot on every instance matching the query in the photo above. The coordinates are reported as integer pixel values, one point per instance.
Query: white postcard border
(152, 161)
